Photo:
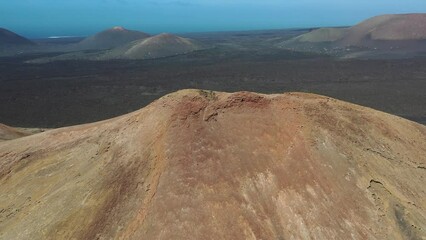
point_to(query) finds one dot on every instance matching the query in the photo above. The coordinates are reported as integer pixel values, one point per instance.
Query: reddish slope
(204, 165)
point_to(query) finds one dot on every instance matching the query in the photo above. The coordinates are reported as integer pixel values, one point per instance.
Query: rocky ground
(206, 165)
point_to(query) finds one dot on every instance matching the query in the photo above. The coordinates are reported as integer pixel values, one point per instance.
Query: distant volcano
(111, 38)
(161, 45)
(322, 35)
(386, 32)
(10, 38)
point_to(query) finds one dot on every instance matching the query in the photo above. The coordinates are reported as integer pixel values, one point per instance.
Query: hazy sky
(40, 18)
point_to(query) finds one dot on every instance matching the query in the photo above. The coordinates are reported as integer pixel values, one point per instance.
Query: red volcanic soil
(111, 38)
(205, 165)
(10, 38)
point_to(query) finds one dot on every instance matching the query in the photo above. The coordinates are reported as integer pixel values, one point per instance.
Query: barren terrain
(384, 36)
(72, 92)
(205, 165)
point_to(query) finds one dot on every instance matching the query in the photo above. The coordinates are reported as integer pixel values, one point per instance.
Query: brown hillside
(322, 35)
(205, 165)
(9, 133)
(162, 45)
(111, 38)
(386, 28)
(398, 32)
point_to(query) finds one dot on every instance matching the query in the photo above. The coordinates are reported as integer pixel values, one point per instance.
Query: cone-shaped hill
(386, 30)
(159, 46)
(206, 165)
(395, 32)
(111, 38)
(162, 45)
(10, 38)
(322, 35)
